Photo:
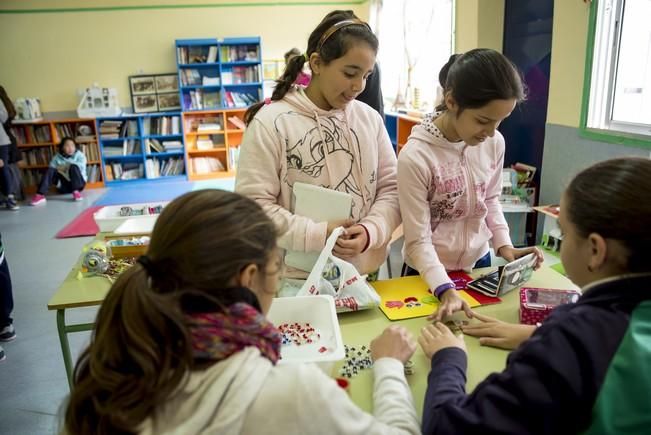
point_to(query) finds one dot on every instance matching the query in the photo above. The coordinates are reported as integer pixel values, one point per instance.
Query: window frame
(618, 132)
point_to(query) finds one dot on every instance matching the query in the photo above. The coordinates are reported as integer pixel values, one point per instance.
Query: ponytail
(443, 78)
(283, 85)
(139, 355)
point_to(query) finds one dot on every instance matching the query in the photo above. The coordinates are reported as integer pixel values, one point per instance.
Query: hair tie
(267, 101)
(147, 264)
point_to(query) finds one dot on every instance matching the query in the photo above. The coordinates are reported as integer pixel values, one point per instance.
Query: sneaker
(8, 333)
(37, 199)
(11, 203)
(76, 196)
(2, 354)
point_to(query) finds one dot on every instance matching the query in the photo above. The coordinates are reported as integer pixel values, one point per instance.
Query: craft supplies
(537, 303)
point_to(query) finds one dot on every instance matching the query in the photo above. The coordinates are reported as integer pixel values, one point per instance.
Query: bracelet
(438, 292)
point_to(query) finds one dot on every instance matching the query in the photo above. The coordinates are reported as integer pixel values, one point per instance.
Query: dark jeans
(6, 179)
(51, 176)
(6, 295)
(484, 261)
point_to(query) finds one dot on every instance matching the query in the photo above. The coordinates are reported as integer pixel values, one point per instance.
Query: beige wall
(568, 62)
(52, 55)
(479, 23)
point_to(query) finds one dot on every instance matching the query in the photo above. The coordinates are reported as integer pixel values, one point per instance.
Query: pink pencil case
(537, 303)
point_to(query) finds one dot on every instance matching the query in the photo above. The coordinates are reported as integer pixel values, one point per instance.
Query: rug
(81, 226)
(141, 192)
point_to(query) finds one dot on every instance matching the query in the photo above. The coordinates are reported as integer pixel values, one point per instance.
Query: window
(619, 97)
(418, 33)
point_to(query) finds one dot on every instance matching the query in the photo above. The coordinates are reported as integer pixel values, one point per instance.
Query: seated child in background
(182, 344)
(67, 171)
(586, 369)
(303, 78)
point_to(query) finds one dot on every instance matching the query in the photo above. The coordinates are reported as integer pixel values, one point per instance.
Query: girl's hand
(450, 303)
(495, 333)
(352, 243)
(335, 224)
(438, 336)
(394, 342)
(509, 253)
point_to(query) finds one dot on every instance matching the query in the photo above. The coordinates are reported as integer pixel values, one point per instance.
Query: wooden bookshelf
(211, 137)
(38, 142)
(399, 127)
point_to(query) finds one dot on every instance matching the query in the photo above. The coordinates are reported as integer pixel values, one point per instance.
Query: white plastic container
(319, 311)
(108, 218)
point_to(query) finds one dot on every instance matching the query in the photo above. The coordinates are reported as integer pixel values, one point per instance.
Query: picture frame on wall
(272, 69)
(168, 102)
(142, 85)
(167, 83)
(154, 92)
(145, 103)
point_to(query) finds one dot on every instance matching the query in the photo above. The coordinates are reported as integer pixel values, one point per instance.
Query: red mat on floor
(82, 225)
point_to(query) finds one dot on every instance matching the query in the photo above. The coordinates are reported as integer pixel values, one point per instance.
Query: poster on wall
(154, 92)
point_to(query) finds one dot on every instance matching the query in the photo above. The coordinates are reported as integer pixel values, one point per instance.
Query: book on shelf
(210, 81)
(153, 146)
(207, 124)
(205, 143)
(39, 156)
(164, 167)
(172, 145)
(237, 122)
(241, 74)
(236, 53)
(239, 99)
(161, 126)
(92, 173)
(233, 156)
(190, 77)
(205, 165)
(212, 54)
(124, 171)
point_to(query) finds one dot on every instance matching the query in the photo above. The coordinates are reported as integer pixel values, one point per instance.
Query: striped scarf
(218, 335)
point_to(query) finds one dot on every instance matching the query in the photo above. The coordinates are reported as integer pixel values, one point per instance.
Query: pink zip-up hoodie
(285, 143)
(449, 195)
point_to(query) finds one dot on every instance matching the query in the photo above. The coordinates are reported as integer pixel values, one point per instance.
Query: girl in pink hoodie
(321, 135)
(450, 175)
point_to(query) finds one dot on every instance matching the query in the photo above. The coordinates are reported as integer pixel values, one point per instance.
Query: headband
(340, 25)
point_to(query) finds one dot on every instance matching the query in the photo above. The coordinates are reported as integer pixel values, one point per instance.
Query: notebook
(409, 296)
(506, 278)
(319, 204)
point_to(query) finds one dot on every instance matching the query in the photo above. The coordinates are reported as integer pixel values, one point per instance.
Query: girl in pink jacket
(450, 175)
(321, 135)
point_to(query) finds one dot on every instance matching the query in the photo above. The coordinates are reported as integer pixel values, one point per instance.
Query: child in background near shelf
(586, 369)
(302, 78)
(450, 175)
(7, 182)
(67, 170)
(321, 135)
(182, 344)
(7, 331)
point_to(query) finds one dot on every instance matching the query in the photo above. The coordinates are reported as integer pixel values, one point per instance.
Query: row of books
(198, 99)
(205, 165)
(209, 142)
(235, 53)
(239, 99)
(30, 177)
(197, 54)
(93, 173)
(155, 146)
(164, 168)
(241, 74)
(128, 147)
(32, 133)
(194, 77)
(110, 129)
(38, 156)
(164, 125)
(233, 156)
(91, 151)
(124, 171)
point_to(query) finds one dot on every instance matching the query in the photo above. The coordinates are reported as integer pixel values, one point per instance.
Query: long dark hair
(140, 353)
(613, 199)
(334, 47)
(477, 77)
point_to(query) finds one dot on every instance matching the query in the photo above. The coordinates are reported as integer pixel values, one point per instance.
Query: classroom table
(357, 328)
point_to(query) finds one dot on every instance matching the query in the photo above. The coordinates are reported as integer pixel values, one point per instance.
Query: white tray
(108, 218)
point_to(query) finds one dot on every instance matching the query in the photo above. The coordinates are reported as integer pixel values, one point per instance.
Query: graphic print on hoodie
(347, 149)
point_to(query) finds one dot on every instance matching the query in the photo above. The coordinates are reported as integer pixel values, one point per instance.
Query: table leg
(65, 345)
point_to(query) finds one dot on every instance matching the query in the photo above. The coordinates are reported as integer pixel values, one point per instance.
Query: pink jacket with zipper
(284, 144)
(449, 195)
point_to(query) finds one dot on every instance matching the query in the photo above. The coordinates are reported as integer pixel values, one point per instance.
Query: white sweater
(246, 394)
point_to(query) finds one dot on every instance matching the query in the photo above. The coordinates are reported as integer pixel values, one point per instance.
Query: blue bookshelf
(142, 147)
(219, 74)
